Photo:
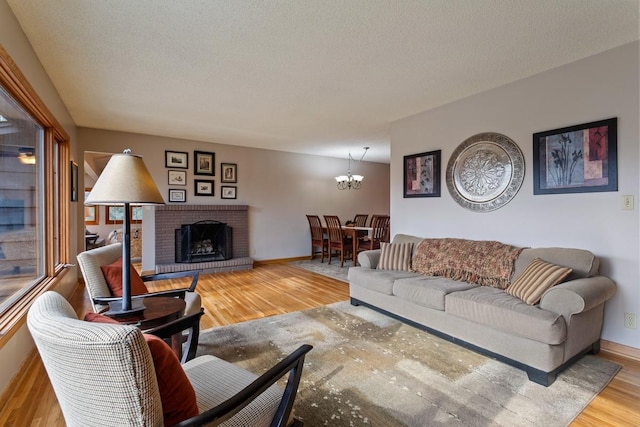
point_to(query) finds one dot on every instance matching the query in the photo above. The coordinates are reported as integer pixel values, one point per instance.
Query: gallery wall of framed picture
(204, 164)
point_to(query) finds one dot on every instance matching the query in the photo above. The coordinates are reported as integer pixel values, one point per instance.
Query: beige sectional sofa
(541, 339)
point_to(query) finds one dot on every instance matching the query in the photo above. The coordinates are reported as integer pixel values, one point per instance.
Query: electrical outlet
(630, 321)
(626, 202)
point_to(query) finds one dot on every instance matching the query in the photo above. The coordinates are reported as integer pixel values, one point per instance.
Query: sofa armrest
(577, 296)
(369, 259)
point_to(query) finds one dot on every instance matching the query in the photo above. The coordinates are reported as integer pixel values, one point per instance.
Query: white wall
(599, 87)
(14, 41)
(280, 188)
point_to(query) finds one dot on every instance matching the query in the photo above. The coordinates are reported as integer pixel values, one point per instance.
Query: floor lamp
(125, 181)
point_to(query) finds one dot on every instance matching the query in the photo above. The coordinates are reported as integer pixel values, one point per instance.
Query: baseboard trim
(620, 350)
(279, 260)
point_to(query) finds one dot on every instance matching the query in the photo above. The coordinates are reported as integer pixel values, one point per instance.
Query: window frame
(56, 193)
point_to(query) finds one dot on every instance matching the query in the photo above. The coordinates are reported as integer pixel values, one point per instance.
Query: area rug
(367, 369)
(334, 270)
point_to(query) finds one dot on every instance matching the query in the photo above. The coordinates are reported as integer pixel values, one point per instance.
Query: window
(34, 194)
(115, 214)
(21, 219)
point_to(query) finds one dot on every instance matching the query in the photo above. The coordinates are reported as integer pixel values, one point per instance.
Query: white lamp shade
(342, 178)
(358, 178)
(125, 179)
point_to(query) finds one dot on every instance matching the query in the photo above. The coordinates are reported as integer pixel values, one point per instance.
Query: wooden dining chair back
(360, 220)
(338, 242)
(318, 238)
(379, 233)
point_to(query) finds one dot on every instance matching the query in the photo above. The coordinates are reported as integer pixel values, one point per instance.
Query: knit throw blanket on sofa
(486, 263)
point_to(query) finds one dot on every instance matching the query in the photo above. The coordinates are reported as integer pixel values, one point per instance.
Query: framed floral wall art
(576, 159)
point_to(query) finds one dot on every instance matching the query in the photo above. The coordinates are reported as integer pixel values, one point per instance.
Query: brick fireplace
(168, 218)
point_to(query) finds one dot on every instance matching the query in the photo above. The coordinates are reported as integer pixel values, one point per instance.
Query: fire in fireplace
(203, 241)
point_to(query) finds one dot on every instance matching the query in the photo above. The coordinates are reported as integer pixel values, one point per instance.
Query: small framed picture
(228, 172)
(228, 192)
(203, 187)
(422, 174)
(176, 159)
(177, 177)
(205, 163)
(177, 196)
(74, 181)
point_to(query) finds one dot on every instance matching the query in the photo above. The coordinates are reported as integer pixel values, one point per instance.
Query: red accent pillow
(113, 276)
(176, 392)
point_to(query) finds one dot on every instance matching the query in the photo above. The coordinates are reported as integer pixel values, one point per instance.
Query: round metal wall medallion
(485, 172)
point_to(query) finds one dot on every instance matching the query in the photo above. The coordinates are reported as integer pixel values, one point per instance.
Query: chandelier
(349, 181)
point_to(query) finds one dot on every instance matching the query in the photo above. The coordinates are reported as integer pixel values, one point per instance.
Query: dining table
(352, 231)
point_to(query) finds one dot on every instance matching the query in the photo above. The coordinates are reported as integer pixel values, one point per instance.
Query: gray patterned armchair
(99, 293)
(104, 375)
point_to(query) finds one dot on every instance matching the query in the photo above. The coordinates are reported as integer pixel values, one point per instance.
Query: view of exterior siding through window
(21, 213)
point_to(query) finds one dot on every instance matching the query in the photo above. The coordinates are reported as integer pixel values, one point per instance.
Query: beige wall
(13, 40)
(596, 88)
(280, 188)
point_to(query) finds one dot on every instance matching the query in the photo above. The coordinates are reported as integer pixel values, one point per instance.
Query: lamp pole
(126, 259)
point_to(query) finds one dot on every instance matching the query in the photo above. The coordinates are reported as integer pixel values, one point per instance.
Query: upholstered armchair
(91, 263)
(114, 375)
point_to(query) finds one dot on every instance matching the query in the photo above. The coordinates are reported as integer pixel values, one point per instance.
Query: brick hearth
(170, 217)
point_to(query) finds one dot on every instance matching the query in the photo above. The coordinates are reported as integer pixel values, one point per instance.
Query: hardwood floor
(273, 289)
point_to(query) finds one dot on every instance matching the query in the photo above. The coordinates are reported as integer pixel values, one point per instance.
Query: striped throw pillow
(395, 256)
(536, 279)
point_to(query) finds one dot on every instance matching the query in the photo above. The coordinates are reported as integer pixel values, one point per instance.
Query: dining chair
(114, 375)
(337, 240)
(379, 233)
(318, 238)
(360, 220)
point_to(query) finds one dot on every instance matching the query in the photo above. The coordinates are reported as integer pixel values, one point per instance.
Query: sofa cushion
(395, 256)
(582, 262)
(428, 291)
(376, 280)
(536, 279)
(497, 309)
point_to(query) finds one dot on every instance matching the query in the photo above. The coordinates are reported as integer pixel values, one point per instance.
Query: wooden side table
(157, 312)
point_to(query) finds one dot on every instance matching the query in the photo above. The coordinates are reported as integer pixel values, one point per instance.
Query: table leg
(354, 254)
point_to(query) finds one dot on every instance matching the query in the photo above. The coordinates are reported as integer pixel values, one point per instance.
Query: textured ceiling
(320, 77)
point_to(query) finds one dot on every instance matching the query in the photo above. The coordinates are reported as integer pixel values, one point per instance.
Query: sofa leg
(355, 302)
(595, 347)
(541, 377)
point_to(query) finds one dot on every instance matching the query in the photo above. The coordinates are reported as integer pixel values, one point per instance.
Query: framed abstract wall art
(576, 159)
(422, 174)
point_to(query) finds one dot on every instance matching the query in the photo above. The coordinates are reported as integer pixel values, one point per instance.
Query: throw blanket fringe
(487, 263)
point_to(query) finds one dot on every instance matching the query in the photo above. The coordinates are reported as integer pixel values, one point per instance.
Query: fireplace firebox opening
(203, 241)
